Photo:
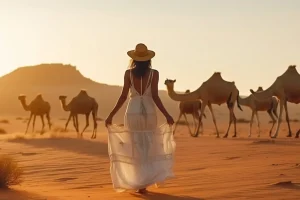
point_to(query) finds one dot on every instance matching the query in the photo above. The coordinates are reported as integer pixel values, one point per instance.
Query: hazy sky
(250, 41)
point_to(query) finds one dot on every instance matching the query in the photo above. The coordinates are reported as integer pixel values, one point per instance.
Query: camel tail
(200, 109)
(274, 108)
(95, 111)
(230, 104)
(238, 101)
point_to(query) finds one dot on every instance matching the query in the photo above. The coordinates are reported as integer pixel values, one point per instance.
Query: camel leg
(49, 121)
(251, 122)
(29, 120)
(201, 124)
(297, 134)
(213, 116)
(273, 121)
(204, 103)
(180, 115)
(229, 125)
(187, 123)
(279, 119)
(258, 123)
(234, 122)
(75, 123)
(86, 123)
(43, 124)
(67, 123)
(287, 119)
(95, 126)
(33, 123)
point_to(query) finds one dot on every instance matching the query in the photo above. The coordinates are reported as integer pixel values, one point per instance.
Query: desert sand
(59, 166)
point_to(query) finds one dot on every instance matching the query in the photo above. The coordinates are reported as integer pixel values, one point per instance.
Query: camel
(270, 105)
(189, 107)
(213, 91)
(37, 107)
(287, 89)
(81, 104)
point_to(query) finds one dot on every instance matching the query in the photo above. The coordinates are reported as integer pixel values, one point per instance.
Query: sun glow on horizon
(247, 41)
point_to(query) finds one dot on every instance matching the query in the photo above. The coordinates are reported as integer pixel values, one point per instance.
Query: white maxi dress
(141, 154)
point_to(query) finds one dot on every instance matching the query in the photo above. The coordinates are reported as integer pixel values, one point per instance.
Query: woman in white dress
(141, 153)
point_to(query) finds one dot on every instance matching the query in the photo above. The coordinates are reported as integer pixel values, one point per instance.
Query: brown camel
(37, 107)
(189, 107)
(213, 91)
(81, 104)
(287, 89)
(270, 105)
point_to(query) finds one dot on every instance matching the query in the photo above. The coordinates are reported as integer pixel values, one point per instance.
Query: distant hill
(52, 80)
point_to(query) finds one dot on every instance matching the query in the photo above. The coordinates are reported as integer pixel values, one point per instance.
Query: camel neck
(64, 105)
(25, 106)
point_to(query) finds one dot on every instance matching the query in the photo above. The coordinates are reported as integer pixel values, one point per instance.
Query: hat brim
(149, 56)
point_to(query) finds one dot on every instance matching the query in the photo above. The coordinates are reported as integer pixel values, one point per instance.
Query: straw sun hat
(141, 53)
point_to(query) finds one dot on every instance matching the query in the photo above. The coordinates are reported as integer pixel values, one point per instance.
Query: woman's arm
(123, 95)
(154, 90)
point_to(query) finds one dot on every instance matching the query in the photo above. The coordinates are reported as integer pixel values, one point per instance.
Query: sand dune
(61, 166)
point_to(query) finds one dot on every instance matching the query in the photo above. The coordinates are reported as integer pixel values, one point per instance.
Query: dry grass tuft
(10, 172)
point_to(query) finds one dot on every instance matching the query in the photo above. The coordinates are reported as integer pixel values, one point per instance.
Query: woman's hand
(108, 121)
(169, 119)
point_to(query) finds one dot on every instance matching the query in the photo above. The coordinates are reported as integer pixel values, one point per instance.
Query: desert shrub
(4, 121)
(10, 172)
(19, 118)
(242, 120)
(2, 131)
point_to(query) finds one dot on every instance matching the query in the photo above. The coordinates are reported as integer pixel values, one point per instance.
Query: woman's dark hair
(139, 68)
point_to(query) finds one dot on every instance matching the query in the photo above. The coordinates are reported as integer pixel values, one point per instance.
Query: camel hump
(291, 69)
(216, 75)
(83, 92)
(39, 97)
(292, 66)
(187, 91)
(259, 89)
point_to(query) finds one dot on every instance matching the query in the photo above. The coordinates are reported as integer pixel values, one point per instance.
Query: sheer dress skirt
(141, 154)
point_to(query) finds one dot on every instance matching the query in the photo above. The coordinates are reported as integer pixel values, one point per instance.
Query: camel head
(62, 97)
(252, 91)
(170, 84)
(22, 97)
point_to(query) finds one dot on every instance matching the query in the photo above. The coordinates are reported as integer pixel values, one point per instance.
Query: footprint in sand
(264, 142)
(200, 168)
(64, 179)
(28, 154)
(231, 158)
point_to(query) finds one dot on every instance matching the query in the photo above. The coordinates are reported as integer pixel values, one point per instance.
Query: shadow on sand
(82, 146)
(10, 194)
(161, 196)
